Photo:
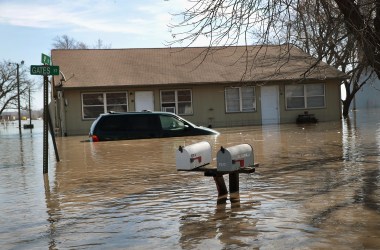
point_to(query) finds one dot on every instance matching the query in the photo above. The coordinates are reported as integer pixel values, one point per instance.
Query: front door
(144, 100)
(269, 105)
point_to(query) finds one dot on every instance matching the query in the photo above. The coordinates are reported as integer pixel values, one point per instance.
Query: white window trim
(104, 103)
(240, 100)
(305, 97)
(176, 100)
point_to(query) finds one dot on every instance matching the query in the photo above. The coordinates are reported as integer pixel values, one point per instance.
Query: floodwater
(317, 187)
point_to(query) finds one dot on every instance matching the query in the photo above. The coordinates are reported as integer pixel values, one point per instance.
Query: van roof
(138, 112)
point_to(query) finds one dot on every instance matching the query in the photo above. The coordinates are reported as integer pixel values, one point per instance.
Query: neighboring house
(368, 95)
(218, 87)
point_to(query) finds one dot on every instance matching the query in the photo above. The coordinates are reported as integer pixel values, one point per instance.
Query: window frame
(241, 108)
(176, 101)
(104, 105)
(306, 96)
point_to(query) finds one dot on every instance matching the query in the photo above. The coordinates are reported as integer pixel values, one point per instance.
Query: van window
(127, 122)
(171, 123)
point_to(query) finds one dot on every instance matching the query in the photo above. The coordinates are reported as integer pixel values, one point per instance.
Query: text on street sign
(44, 70)
(45, 59)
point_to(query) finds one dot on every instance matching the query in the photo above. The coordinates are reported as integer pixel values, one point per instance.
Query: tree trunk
(346, 105)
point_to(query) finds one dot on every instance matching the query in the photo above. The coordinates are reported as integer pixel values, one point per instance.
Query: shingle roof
(160, 66)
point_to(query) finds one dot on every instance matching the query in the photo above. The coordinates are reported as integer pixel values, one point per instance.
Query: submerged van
(143, 125)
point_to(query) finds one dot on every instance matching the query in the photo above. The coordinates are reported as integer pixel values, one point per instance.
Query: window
(305, 96)
(177, 101)
(94, 104)
(171, 123)
(127, 123)
(240, 99)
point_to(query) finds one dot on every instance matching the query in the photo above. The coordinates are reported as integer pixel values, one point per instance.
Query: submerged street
(317, 187)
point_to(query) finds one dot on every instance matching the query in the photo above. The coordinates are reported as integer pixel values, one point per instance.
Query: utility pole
(18, 99)
(18, 94)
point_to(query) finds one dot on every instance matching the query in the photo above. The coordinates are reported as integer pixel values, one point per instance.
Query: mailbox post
(234, 182)
(221, 187)
(231, 161)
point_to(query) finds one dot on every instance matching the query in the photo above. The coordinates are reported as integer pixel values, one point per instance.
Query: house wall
(208, 107)
(73, 111)
(331, 112)
(210, 110)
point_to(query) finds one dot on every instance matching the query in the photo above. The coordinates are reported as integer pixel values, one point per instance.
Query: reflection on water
(318, 186)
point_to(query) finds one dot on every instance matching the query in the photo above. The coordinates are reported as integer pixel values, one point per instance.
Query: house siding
(208, 106)
(331, 112)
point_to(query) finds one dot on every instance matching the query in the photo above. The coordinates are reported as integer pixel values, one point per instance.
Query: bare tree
(9, 85)
(362, 20)
(321, 31)
(344, 33)
(66, 42)
(81, 45)
(100, 45)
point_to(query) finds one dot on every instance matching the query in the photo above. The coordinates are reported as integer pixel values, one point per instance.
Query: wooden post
(222, 189)
(234, 182)
(234, 187)
(221, 185)
(53, 136)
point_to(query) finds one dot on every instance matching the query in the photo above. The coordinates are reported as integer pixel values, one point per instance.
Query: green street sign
(45, 59)
(44, 70)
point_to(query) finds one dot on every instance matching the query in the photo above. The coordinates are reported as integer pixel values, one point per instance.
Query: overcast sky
(28, 27)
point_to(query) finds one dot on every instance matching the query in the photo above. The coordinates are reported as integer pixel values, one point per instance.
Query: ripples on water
(317, 187)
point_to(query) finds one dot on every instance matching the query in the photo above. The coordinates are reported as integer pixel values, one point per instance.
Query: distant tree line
(66, 42)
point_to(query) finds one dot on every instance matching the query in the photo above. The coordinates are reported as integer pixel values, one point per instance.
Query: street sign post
(45, 59)
(44, 70)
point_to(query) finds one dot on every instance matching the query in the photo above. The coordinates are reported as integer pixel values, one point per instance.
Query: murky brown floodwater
(317, 187)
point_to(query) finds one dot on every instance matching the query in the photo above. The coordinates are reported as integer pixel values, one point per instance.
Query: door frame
(145, 100)
(270, 103)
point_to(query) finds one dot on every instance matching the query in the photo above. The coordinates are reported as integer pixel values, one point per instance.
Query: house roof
(192, 65)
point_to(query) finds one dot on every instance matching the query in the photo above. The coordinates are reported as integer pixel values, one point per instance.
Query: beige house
(218, 87)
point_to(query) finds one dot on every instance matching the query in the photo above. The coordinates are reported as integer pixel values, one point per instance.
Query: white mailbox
(235, 157)
(193, 156)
